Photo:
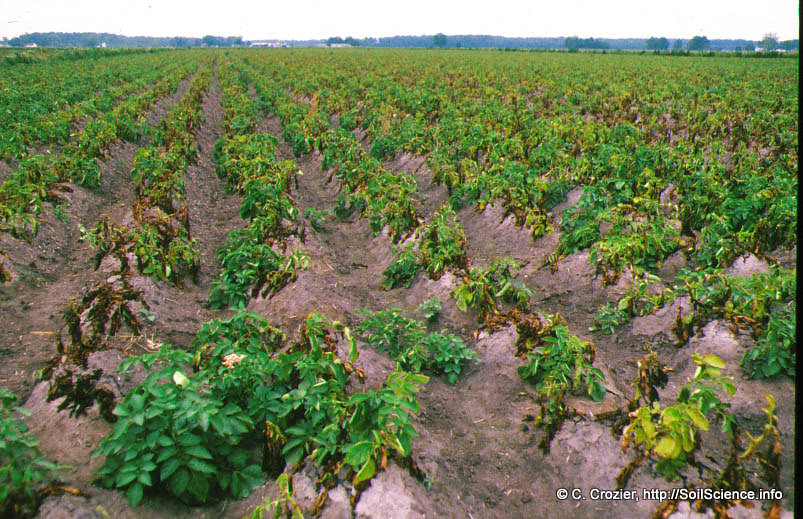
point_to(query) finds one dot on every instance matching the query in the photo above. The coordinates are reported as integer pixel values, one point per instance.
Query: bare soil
(477, 445)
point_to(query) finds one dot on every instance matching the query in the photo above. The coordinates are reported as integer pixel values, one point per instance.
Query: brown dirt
(477, 444)
(7, 166)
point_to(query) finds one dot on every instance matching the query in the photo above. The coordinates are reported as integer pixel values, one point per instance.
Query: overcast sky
(316, 19)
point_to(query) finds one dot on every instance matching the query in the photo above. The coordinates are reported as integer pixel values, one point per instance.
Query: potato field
(363, 283)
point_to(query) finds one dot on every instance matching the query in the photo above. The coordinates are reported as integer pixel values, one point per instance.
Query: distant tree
(574, 43)
(220, 41)
(354, 42)
(599, 44)
(657, 44)
(770, 42)
(699, 43)
(789, 44)
(678, 45)
(439, 40)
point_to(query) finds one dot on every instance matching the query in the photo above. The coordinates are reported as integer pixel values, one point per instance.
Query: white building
(268, 43)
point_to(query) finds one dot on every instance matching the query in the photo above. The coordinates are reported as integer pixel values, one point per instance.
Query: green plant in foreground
(608, 319)
(403, 269)
(483, 287)
(447, 354)
(411, 347)
(558, 363)
(563, 364)
(237, 354)
(775, 352)
(672, 433)
(763, 304)
(299, 394)
(442, 243)
(431, 308)
(171, 431)
(22, 467)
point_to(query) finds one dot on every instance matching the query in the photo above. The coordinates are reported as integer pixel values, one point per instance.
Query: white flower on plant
(232, 359)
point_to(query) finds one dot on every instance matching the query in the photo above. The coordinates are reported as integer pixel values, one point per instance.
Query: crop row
(499, 137)
(191, 434)
(159, 235)
(253, 257)
(37, 177)
(486, 144)
(639, 183)
(95, 316)
(384, 197)
(44, 100)
(434, 247)
(691, 166)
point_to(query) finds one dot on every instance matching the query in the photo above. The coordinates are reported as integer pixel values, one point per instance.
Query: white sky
(316, 19)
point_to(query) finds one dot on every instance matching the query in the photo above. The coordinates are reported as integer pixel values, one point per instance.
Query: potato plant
(24, 469)
(411, 347)
(670, 435)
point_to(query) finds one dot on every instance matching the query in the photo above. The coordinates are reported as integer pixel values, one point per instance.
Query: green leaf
(238, 458)
(124, 478)
(178, 482)
(137, 402)
(668, 447)
(597, 390)
(200, 466)
(199, 451)
(134, 494)
(359, 453)
(199, 487)
(366, 472)
(169, 468)
(714, 361)
(145, 478)
(189, 439)
(166, 453)
(771, 401)
(697, 417)
(294, 455)
(417, 378)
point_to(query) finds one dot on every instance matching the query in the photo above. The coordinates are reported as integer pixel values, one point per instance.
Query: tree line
(95, 39)
(697, 43)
